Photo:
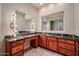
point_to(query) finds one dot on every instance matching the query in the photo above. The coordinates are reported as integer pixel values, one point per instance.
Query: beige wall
(0, 25)
(77, 19)
(0, 20)
(20, 21)
(68, 16)
(69, 19)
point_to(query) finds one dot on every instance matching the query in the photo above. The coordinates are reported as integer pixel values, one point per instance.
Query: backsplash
(26, 32)
(45, 33)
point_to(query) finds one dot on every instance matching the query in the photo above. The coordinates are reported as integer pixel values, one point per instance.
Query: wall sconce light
(13, 24)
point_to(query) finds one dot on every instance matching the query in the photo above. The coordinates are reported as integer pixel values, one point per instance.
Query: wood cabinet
(63, 46)
(67, 41)
(67, 47)
(42, 41)
(15, 48)
(34, 42)
(31, 42)
(52, 43)
(66, 52)
(26, 43)
(21, 53)
(77, 48)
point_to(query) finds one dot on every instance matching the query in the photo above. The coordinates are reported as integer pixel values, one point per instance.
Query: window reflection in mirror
(56, 25)
(53, 22)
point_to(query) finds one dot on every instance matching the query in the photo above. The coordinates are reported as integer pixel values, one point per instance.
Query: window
(56, 25)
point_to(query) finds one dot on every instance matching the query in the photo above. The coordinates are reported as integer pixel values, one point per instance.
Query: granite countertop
(19, 37)
(62, 37)
(55, 36)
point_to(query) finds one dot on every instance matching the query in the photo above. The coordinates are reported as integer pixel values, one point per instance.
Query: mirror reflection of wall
(24, 22)
(28, 24)
(20, 21)
(44, 23)
(53, 22)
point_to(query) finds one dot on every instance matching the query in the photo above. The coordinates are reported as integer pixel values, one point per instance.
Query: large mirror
(24, 22)
(53, 22)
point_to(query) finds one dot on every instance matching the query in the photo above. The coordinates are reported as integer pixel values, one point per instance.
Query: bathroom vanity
(68, 46)
(18, 46)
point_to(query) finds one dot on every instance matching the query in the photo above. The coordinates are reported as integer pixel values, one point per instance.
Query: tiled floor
(41, 52)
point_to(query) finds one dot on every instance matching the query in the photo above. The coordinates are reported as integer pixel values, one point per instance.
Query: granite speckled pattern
(55, 36)
(19, 37)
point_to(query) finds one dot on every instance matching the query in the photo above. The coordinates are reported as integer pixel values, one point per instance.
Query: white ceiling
(37, 5)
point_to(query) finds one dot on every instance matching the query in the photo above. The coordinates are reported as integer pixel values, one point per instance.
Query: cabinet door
(21, 53)
(52, 44)
(66, 52)
(34, 42)
(77, 48)
(26, 43)
(42, 41)
(67, 46)
(16, 43)
(67, 41)
(17, 49)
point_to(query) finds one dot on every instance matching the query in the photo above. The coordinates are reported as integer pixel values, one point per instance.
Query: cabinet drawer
(17, 43)
(70, 42)
(52, 47)
(40, 42)
(51, 38)
(21, 53)
(67, 46)
(51, 44)
(17, 49)
(43, 37)
(43, 44)
(32, 38)
(61, 40)
(66, 52)
(66, 41)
